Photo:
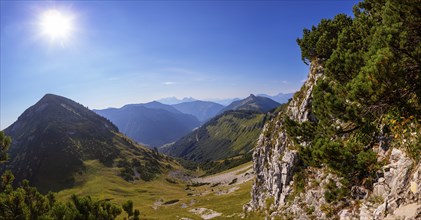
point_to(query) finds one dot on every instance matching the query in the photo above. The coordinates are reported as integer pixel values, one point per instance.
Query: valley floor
(172, 196)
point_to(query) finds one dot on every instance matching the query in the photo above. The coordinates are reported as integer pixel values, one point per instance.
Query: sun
(56, 25)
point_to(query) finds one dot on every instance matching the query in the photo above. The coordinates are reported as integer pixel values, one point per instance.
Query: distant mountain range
(281, 97)
(230, 135)
(252, 103)
(223, 102)
(155, 105)
(202, 110)
(152, 124)
(156, 124)
(173, 100)
(53, 138)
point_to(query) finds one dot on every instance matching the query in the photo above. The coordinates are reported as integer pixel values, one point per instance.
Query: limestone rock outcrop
(274, 161)
(395, 193)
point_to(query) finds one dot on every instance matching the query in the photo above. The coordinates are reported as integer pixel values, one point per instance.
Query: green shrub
(334, 193)
(25, 202)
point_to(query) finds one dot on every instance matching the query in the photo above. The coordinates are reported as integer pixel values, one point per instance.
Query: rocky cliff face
(395, 194)
(274, 161)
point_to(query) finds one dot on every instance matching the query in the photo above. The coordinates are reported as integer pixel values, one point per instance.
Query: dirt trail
(219, 184)
(205, 213)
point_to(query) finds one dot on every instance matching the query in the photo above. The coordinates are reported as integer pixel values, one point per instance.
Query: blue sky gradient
(137, 51)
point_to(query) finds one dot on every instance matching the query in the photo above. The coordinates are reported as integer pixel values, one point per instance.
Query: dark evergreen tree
(26, 202)
(371, 87)
(128, 208)
(4, 146)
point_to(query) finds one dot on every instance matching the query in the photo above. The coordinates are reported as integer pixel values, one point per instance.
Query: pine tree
(5, 142)
(371, 86)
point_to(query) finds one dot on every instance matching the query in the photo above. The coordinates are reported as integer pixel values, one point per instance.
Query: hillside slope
(227, 135)
(52, 139)
(252, 103)
(153, 124)
(170, 196)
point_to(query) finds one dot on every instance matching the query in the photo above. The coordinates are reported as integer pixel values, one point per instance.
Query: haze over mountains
(153, 124)
(156, 124)
(280, 97)
(174, 100)
(202, 110)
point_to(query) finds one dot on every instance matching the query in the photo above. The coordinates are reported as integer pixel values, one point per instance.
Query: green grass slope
(167, 197)
(228, 135)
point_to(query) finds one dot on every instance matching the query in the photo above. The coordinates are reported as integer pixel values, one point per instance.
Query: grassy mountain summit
(253, 103)
(53, 138)
(152, 123)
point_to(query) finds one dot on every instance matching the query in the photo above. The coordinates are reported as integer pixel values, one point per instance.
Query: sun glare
(56, 25)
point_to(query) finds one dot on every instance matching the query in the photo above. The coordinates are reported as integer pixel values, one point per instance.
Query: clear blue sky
(123, 52)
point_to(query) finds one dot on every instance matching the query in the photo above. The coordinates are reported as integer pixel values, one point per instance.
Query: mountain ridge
(280, 97)
(174, 100)
(53, 138)
(155, 105)
(253, 103)
(152, 124)
(202, 110)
